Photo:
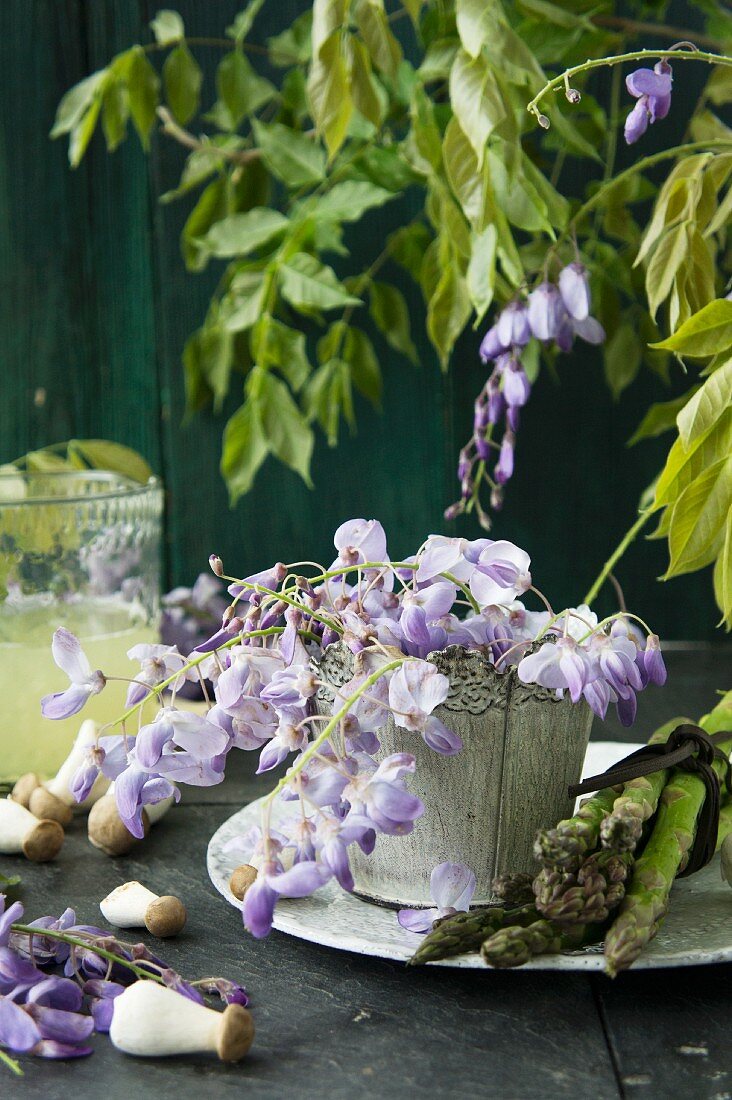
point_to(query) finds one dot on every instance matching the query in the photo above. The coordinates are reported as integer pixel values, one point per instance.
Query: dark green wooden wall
(95, 307)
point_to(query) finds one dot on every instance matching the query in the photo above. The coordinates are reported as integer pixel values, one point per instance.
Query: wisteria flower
(452, 886)
(157, 663)
(377, 795)
(502, 573)
(416, 688)
(545, 311)
(359, 540)
(574, 287)
(559, 666)
(449, 555)
(652, 89)
(84, 681)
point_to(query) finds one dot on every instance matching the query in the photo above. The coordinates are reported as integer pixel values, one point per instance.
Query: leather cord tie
(689, 747)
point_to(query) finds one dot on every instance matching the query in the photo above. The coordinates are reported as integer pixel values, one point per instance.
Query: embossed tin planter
(521, 748)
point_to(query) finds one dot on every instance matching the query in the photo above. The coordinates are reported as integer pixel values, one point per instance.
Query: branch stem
(609, 565)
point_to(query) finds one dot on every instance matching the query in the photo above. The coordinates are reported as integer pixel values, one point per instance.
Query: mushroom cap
(24, 788)
(166, 916)
(47, 806)
(43, 843)
(241, 879)
(235, 1034)
(108, 832)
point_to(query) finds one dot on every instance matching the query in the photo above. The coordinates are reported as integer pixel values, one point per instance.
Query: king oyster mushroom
(53, 799)
(108, 832)
(22, 833)
(134, 906)
(151, 1020)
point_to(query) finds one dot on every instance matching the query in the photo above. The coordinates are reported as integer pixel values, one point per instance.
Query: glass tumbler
(79, 549)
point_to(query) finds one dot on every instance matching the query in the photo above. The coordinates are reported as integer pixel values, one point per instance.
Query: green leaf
(294, 45)
(241, 90)
(103, 454)
(82, 133)
(329, 92)
(723, 577)
(425, 130)
(698, 518)
(287, 434)
(660, 418)
(76, 102)
(308, 284)
(242, 23)
(349, 201)
(297, 160)
(707, 406)
(143, 86)
(481, 274)
(358, 352)
(476, 23)
(391, 316)
(408, 245)
(182, 79)
(516, 195)
(708, 332)
(385, 51)
(274, 344)
(115, 113)
(665, 263)
(719, 86)
(467, 181)
(240, 234)
(385, 167)
(211, 206)
(413, 8)
(552, 13)
(327, 395)
(7, 881)
(363, 87)
(201, 164)
(208, 358)
(167, 26)
(242, 306)
(476, 100)
(448, 309)
(244, 449)
(684, 465)
(622, 358)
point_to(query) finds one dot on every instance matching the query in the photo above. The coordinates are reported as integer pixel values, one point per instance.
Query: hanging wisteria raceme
(271, 696)
(553, 314)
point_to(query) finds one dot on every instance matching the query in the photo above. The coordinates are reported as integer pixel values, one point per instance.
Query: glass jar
(79, 549)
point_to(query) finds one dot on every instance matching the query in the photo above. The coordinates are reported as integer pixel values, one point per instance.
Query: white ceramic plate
(697, 930)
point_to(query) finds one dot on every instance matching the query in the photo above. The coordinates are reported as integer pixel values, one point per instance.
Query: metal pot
(522, 746)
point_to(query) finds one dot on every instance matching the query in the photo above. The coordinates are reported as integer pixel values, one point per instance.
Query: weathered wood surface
(95, 307)
(331, 1024)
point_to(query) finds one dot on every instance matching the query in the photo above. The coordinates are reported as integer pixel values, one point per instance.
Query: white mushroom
(53, 799)
(151, 1020)
(24, 788)
(108, 832)
(22, 832)
(134, 906)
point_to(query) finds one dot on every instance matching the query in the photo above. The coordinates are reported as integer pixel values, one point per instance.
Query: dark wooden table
(332, 1024)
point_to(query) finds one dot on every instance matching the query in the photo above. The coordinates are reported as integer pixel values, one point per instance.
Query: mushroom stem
(134, 906)
(150, 1020)
(107, 830)
(53, 799)
(22, 833)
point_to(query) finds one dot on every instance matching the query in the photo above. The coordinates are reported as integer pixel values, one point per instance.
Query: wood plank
(669, 1031)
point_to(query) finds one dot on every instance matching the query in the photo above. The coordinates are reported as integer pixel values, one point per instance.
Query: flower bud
(217, 566)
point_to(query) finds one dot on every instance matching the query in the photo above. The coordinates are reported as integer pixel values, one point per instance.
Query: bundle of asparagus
(606, 872)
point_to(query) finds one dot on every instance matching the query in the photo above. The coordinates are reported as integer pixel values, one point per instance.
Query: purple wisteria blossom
(652, 89)
(84, 681)
(452, 886)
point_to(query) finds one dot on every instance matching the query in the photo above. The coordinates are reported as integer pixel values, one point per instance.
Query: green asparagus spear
(464, 932)
(646, 899)
(621, 830)
(587, 897)
(515, 888)
(565, 846)
(514, 945)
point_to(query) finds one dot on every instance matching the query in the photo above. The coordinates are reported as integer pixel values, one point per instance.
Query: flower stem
(325, 733)
(87, 945)
(12, 1065)
(616, 555)
(620, 59)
